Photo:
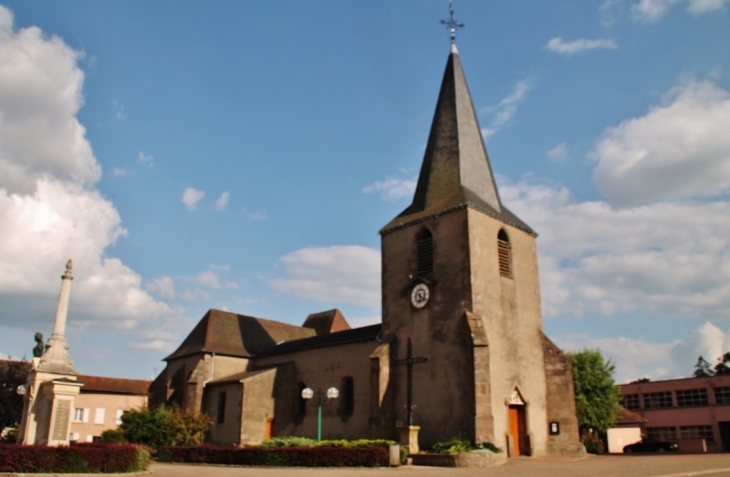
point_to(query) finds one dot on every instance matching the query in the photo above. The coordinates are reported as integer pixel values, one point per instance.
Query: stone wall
(322, 368)
(561, 401)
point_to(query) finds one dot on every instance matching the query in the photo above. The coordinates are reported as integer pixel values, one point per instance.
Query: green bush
(357, 444)
(489, 446)
(112, 436)
(455, 445)
(141, 460)
(164, 426)
(288, 441)
(593, 444)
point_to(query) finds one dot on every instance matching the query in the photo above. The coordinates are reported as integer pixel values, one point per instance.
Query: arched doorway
(520, 442)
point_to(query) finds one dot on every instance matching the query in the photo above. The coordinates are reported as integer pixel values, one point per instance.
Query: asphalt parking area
(660, 465)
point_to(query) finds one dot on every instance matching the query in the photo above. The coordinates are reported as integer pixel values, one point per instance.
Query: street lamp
(319, 400)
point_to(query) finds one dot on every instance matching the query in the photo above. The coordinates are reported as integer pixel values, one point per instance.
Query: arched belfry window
(504, 252)
(424, 245)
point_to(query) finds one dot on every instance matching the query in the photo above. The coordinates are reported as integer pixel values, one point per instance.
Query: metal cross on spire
(451, 24)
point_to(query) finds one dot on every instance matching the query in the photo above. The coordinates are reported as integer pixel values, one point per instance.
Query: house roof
(624, 417)
(100, 384)
(238, 377)
(231, 334)
(330, 321)
(331, 339)
(455, 172)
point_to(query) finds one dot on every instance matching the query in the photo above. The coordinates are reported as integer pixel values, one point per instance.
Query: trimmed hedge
(78, 458)
(277, 456)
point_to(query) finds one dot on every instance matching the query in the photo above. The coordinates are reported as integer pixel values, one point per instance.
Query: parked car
(649, 444)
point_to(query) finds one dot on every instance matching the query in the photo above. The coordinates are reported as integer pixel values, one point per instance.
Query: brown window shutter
(504, 252)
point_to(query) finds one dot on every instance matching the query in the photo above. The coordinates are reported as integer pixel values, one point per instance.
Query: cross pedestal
(409, 438)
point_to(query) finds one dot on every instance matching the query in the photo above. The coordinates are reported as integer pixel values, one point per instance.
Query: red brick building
(690, 408)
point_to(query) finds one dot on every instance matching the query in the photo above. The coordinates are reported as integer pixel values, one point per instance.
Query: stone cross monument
(52, 384)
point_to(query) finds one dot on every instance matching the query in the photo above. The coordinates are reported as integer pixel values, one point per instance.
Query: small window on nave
(424, 246)
(504, 252)
(301, 403)
(347, 397)
(221, 411)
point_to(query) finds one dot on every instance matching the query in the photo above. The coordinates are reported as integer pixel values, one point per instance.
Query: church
(460, 351)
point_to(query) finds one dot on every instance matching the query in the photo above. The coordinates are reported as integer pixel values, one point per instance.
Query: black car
(649, 444)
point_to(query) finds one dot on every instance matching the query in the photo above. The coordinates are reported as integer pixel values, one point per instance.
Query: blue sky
(243, 156)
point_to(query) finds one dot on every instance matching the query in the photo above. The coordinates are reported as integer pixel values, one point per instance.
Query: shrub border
(277, 456)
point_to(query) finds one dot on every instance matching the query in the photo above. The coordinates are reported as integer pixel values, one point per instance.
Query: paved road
(714, 465)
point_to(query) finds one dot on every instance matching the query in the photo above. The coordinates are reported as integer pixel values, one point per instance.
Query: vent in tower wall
(425, 253)
(504, 252)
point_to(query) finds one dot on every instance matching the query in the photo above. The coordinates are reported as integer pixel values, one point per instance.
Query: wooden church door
(269, 432)
(517, 429)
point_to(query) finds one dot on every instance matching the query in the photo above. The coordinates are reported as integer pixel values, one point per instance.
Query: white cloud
(163, 286)
(503, 112)
(117, 107)
(208, 279)
(559, 153)
(191, 197)
(678, 149)
(254, 214)
(577, 46)
(121, 172)
(359, 322)
(222, 201)
(607, 11)
(145, 159)
(392, 188)
(49, 209)
(638, 358)
(336, 274)
(665, 259)
(652, 10)
(40, 90)
(194, 295)
(154, 345)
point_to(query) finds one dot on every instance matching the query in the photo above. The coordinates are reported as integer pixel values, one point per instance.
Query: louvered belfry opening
(504, 251)
(425, 253)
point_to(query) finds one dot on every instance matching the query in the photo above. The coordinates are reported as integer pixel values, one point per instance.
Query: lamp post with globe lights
(320, 398)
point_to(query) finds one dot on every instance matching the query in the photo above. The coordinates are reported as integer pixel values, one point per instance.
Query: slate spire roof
(456, 171)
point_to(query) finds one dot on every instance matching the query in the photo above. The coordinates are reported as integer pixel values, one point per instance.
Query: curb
(28, 474)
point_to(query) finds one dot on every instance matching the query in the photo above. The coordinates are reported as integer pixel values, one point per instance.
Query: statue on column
(39, 347)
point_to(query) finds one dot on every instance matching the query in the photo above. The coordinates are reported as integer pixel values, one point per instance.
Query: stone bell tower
(460, 279)
(52, 384)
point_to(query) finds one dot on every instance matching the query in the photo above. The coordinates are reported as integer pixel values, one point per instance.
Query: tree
(703, 368)
(12, 375)
(722, 368)
(596, 394)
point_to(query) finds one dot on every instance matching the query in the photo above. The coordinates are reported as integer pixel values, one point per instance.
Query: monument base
(409, 438)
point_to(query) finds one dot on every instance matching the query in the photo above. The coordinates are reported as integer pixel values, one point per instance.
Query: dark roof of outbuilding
(330, 321)
(626, 417)
(231, 334)
(100, 384)
(331, 339)
(455, 172)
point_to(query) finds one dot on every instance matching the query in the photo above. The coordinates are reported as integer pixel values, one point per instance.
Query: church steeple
(455, 172)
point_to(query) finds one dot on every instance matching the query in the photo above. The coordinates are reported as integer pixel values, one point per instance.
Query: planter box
(470, 459)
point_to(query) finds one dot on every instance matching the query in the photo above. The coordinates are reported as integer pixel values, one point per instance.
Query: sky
(243, 156)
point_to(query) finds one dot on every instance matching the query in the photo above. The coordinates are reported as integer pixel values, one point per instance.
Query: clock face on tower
(420, 295)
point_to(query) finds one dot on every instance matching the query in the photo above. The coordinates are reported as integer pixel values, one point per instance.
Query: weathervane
(451, 24)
